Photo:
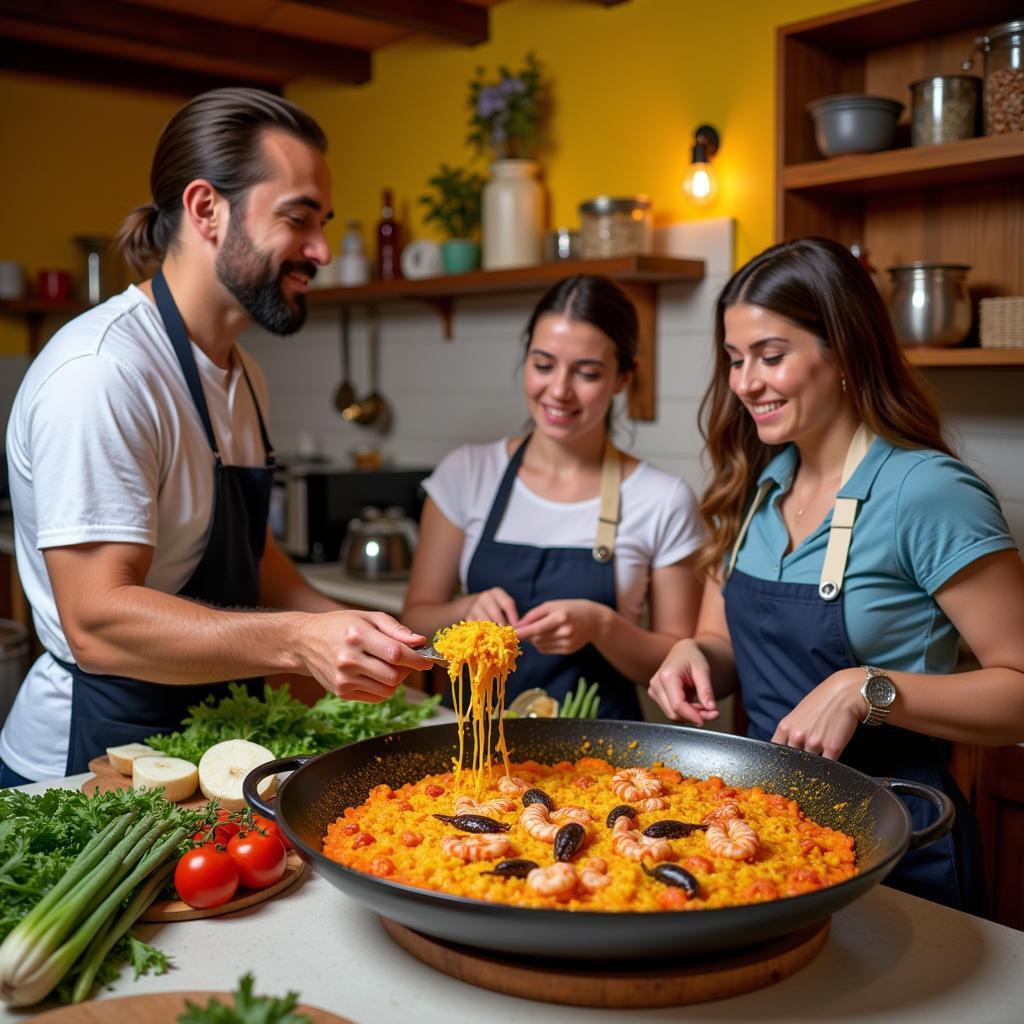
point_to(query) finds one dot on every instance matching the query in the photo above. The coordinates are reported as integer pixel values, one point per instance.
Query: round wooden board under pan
(105, 777)
(668, 983)
(156, 1008)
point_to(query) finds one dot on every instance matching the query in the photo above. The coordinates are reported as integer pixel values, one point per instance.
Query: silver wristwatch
(880, 692)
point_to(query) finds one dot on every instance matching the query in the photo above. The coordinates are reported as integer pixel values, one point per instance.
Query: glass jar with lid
(1003, 50)
(615, 226)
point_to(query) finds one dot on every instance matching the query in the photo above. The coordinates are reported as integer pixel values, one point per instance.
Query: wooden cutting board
(105, 778)
(155, 1008)
(678, 982)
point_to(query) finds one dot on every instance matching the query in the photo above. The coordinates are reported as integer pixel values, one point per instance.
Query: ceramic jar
(513, 215)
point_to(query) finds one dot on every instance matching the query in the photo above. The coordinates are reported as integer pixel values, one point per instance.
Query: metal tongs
(431, 654)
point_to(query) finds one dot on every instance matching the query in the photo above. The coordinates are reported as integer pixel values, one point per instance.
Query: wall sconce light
(701, 182)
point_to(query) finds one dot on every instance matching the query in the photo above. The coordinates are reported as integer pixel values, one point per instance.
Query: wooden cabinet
(959, 202)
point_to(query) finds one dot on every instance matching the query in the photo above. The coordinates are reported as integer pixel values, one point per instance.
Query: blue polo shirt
(923, 516)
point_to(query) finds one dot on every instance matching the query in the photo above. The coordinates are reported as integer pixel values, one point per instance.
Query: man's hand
(359, 655)
(561, 627)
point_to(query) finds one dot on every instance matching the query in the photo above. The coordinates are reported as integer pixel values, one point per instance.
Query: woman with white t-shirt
(557, 533)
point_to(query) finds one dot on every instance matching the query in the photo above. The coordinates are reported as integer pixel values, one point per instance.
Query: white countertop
(330, 579)
(890, 959)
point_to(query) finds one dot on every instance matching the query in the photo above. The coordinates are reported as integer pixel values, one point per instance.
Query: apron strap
(175, 328)
(840, 535)
(268, 448)
(608, 514)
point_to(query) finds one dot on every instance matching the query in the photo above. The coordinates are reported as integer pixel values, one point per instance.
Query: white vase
(513, 215)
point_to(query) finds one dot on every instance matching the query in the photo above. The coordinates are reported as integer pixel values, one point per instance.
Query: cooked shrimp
(652, 803)
(735, 840)
(699, 863)
(720, 815)
(485, 846)
(593, 874)
(513, 784)
(538, 824)
(636, 784)
(488, 808)
(634, 845)
(572, 813)
(553, 880)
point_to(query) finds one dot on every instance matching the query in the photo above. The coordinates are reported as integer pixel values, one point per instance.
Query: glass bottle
(389, 241)
(353, 267)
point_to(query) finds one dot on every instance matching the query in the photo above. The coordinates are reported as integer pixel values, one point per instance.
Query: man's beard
(248, 275)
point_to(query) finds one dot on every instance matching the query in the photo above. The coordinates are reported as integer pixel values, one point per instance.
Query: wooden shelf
(35, 311)
(965, 356)
(991, 157)
(639, 277)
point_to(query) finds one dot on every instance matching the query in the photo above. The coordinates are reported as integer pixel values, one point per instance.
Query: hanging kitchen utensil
(346, 394)
(374, 407)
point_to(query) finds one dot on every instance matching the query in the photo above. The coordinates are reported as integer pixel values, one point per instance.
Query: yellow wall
(629, 83)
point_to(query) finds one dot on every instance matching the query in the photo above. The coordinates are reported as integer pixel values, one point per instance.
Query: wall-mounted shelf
(924, 356)
(988, 158)
(639, 277)
(35, 311)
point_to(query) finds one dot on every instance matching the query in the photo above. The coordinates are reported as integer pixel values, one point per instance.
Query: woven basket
(1002, 322)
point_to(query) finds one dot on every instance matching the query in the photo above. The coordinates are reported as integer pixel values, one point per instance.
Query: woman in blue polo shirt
(848, 552)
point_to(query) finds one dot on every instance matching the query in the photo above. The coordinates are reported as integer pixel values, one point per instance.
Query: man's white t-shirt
(104, 444)
(658, 524)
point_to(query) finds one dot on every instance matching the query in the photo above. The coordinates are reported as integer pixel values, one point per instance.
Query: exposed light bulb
(701, 184)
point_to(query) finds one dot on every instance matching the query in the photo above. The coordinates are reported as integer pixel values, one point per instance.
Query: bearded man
(141, 467)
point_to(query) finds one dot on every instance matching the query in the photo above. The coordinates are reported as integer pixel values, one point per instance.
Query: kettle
(379, 544)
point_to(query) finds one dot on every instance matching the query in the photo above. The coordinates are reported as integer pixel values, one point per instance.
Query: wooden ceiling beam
(289, 56)
(450, 19)
(81, 66)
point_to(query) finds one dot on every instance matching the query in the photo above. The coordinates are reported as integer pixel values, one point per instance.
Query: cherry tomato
(206, 877)
(267, 825)
(225, 828)
(261, 859)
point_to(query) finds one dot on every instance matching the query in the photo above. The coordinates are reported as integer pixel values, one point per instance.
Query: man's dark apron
(532, 575)
(110, 710)
(789, 637)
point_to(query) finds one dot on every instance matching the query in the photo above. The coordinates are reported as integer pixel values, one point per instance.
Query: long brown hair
(818, 285)
(216, 136)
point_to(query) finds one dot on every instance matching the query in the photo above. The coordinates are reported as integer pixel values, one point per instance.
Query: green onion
(83, 909)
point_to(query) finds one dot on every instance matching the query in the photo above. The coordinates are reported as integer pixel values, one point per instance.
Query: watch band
(875, 716)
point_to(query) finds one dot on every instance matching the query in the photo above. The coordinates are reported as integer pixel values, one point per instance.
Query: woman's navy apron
(789, 637)
(532, 575)
(110, 710)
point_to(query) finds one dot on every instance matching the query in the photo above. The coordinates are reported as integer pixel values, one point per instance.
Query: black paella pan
(320, 788)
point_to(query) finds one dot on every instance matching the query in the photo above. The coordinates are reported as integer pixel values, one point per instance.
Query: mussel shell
(620, 811)
(671, 829)
(568, 839)
(538, 796)
(473, 823)
(517, 867)
(673, 874)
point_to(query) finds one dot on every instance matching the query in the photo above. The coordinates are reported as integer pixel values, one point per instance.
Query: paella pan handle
(252, 780)
(938, 828)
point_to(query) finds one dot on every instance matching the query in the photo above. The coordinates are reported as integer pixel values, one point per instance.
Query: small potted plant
(454, 205)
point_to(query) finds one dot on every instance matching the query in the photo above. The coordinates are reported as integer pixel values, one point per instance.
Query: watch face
(880, 691)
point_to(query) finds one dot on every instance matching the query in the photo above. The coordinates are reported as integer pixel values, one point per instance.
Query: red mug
(54, 285)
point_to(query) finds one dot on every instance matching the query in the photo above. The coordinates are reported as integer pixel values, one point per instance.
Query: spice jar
(1003, 49)
(944, 109)
(618, 226)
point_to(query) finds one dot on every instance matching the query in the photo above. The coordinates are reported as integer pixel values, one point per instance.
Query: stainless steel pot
(379, 545)
(930, 304)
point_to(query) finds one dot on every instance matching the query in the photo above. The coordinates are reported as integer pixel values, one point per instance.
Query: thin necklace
(799, 513)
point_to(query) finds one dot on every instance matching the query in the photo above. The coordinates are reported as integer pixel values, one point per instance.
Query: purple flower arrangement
(505, 115)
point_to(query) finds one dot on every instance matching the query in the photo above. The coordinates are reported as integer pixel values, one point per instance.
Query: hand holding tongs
(431, 654)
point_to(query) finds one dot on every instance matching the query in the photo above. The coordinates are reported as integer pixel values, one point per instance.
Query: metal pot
(379, 545)
(929, 303)
(320, 789)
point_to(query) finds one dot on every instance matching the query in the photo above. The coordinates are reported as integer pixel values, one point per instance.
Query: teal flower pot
(460, 256)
